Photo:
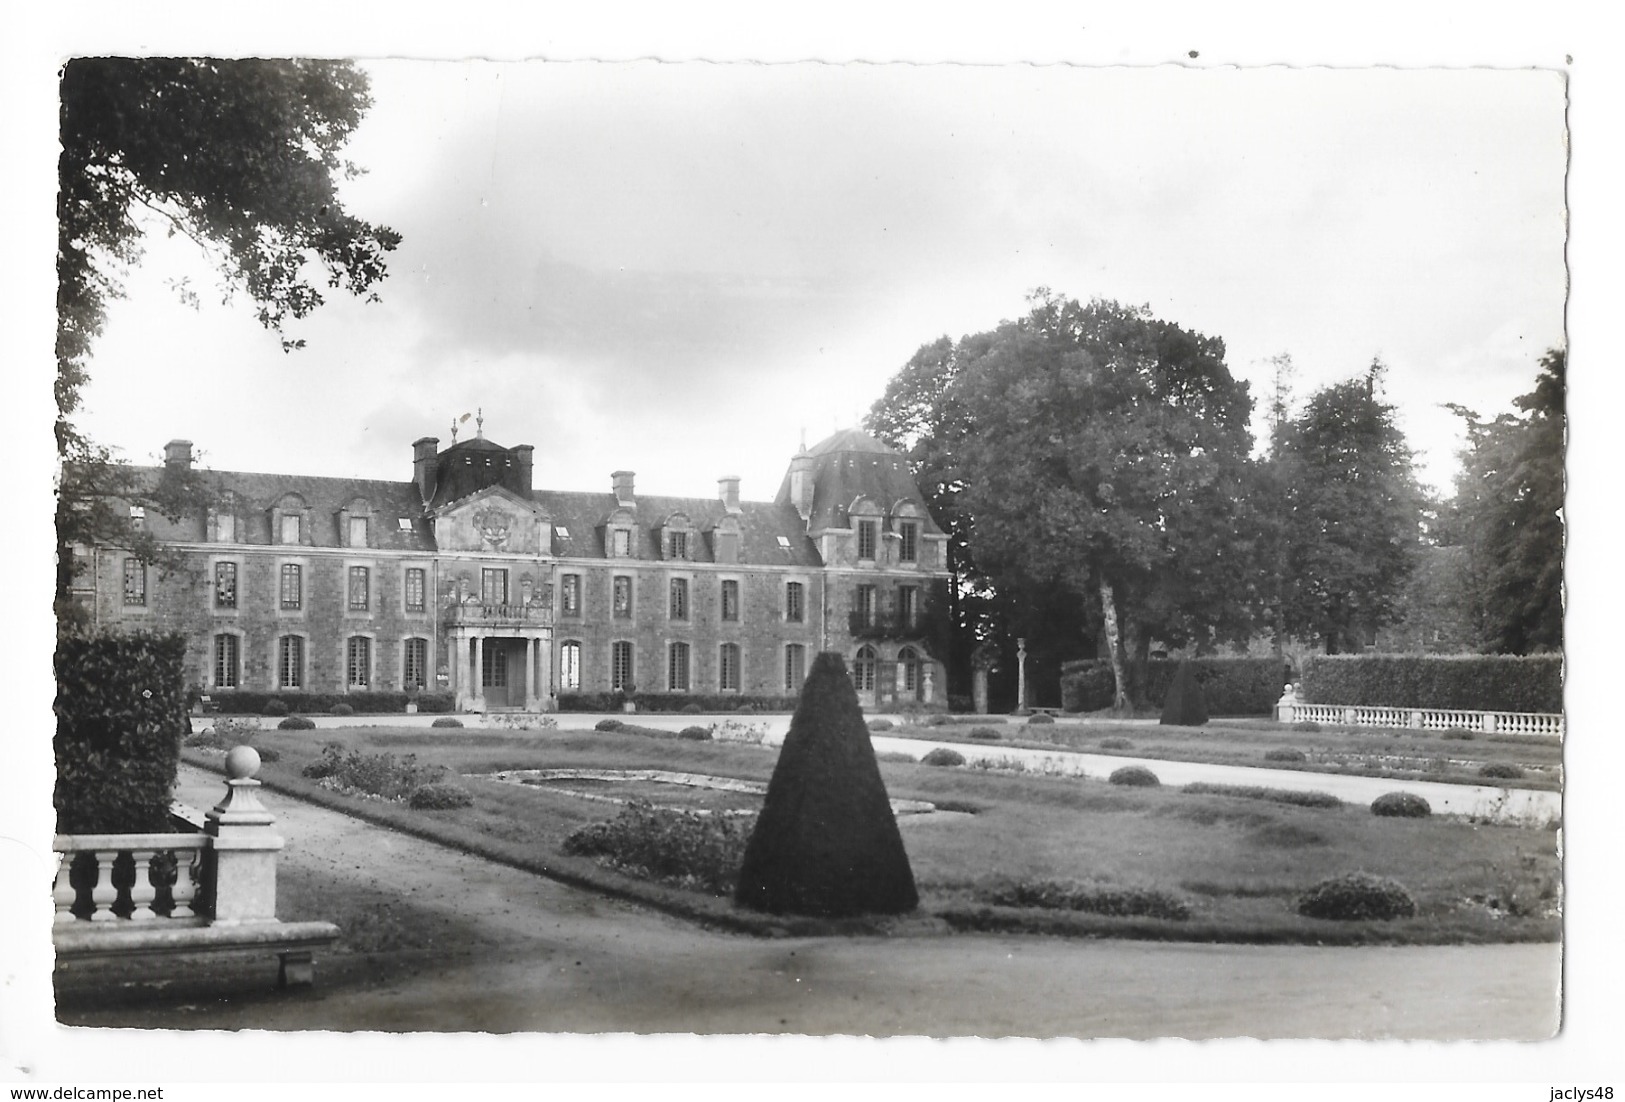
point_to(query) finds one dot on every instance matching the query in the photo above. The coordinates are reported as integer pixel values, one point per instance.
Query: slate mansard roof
(849, 465)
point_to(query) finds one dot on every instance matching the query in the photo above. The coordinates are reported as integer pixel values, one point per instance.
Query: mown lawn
(1239, 863)
(1451, 757)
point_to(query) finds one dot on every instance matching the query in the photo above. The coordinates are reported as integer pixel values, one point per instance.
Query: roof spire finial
(803, 438)
(479, 423)
(454, 430)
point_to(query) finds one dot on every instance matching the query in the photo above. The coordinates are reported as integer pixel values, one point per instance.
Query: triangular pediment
(494, 519)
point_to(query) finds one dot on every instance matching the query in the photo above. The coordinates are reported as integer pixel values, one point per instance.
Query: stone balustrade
(1289, 709)
(126, 895)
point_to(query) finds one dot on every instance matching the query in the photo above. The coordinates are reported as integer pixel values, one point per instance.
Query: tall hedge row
(1230, 686)
(675, 702)
(1481, 682)
(120, 715)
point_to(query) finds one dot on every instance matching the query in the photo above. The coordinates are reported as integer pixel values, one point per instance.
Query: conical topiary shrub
(1185, 706)
(826, 842)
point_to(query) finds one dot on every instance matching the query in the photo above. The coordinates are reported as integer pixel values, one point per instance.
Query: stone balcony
(475, 614)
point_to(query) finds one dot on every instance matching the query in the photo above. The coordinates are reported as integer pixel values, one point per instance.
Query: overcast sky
(678, 268)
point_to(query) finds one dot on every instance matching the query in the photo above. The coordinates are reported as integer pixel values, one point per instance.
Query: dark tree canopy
(826, 842)
(1094, 453)
(242, 157)
(1508, 513)
(1350, 515)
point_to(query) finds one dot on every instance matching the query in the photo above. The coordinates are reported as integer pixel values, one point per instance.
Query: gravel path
(507, 951)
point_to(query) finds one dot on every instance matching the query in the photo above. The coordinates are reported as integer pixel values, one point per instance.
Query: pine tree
(826, 842)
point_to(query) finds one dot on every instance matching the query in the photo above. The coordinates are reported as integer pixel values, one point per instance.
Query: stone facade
(466, 579)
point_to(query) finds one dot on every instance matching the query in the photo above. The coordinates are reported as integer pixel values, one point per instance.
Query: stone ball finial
(242, 762)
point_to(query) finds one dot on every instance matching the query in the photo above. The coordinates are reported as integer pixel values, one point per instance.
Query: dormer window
(138, 517)
(908, 549)
(290, 528)
(868, 537)
(621, 542)
(358, 531)
(677, 545)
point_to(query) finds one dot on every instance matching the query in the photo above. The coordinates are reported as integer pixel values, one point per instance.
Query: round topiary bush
(297, 723)
(1137, 776)
(1040, 717)
(1457, 733)
(608, 725)
(440, 796)
(745, 710)
(690, 710)
(943, 756)
(343, 709)
(1116, 744)
(447, 721)
(1501, 770)
(983, 733)
(937, 721)
(1356, 896)
(275, 708)
(1308, 725)
(1402, 805)
(1285, 753)
(695, 733)
(267, 754)
(880, 725)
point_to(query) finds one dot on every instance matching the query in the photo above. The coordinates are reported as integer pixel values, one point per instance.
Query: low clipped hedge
(440, 796)
(1136, 776)
(1401, 805)
(382, 702)
(1501, 771)
(1480, 682)
(1357, 896)
(1102, 899)
(1290, 796)
(681, 703)
(1230, 686)
(1285, 753)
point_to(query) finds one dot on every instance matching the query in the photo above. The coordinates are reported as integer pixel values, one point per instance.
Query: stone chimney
(622, 481)
(178, 455)
(424, 450)
(728, 491)
(522, 470)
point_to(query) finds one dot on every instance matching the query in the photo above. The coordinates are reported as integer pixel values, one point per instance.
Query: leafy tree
(1095, 450)
(1508, 513)
(242, 157)
(1350, 515)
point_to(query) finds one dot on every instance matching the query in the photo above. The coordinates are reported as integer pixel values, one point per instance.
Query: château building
(465, 579)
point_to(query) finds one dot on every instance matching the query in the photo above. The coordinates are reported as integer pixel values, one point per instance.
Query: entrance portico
(502, 658)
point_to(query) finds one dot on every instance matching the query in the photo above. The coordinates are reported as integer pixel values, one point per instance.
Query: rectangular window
(415, 664)
(728, 668)
(909, 546)
(730, 599)
(677, 668)
(570, 595)
(225, 661)
(795, 667)
(794, 609)
(623, 596)
(570, 666)
(679, 545)
(225, 585)
(620, 666)
(357, 662)
(290, 662)
(360, 588)
(908, 605)
(493, 586)
(358, 531)
(623, 542)
(679, 598)
(867, 534)
(135, 582)
(138, 517)
(290, 527)
(292, 592)
(416, 588)
(865, 601)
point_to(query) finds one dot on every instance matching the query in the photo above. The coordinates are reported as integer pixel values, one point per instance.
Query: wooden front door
(494, 672)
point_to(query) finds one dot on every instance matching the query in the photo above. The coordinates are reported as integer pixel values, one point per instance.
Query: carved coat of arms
(493, 525)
